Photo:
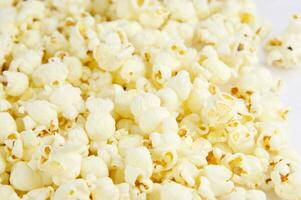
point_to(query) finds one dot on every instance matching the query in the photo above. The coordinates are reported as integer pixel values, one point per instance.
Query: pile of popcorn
(142, 99)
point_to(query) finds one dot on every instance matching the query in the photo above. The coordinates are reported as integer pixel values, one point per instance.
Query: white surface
(277, 12)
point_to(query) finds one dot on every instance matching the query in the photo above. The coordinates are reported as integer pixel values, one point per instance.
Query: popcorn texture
(142, 100)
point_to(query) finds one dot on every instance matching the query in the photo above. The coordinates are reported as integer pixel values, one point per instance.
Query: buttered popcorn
(142, 100)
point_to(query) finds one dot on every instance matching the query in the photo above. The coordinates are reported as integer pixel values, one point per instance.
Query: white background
(277, 12)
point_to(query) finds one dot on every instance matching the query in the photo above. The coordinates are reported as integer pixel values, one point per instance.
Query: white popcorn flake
(256, 80)
(149, 120)
(50, 73)
(218, 177)
(99, 105)
(284, 50)
(113, 51)
(74, 66)
(93, 167)
(237, 193)
(100, 126)
(169, 99)
(174, 191)
(42, 112)
(7, 125)
(75, 189)
(40, 193)
(68, 100)
(255, 194)
(62, 166)
(8, 20)
(2, 164)
(241, 139)
(181, 84)
(161, 74)
(132, 69)
(17, 83)
(4, 105)
(139, 158)
(144, 102)
(8, 193)
(31, 10)
(25, 60)
(105, 189)
(24, 178)
(123, 102)
(205, 188)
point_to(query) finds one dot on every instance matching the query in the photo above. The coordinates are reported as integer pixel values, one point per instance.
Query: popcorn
(139, 158)
(204, 188)
(32, 39)
(217, 111)
(161, 74)
(50, 73)
(256, 80)
(100, 126)
(285, 176)
(8, 20)
(72, 104)
(110, 55)
(105, 189)
(40, 193)
(2, 165)
(74, 66)
(42, 112)
(144, 102)
(179, 30)
(25, 60)
(198, 95)
(237, 193)
(17, 83)
(29, 139)
(75, 189)
(150, 120)
(181, 85)
(177, 7)
(24, 178)
(124, 191)
(174, 191)
(284, 51)
(255, 194)
(132, 69)
(123, 102)
(8, 192)
(185, 172)
(100, 81)
(167, 59)
(60, 165)
(248, 170)
(7, 126)
(99, 105)
(142, 99)
(241, 138)
(93, 167)
(218, 177)
(30, 10)
(153, 16)
(221, 73)
(77, 135)
(169, 99)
